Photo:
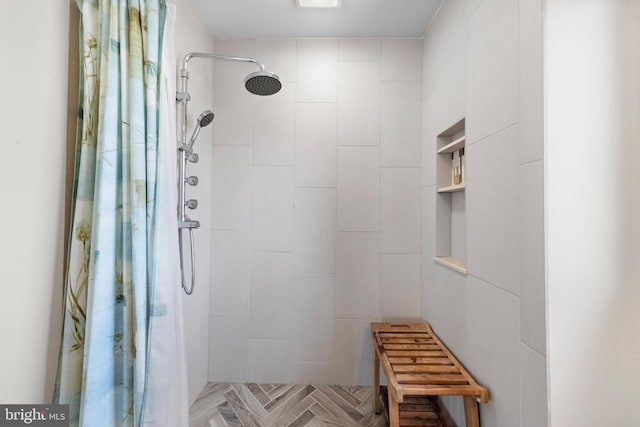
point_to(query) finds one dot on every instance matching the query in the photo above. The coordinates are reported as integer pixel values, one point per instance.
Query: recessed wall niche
(451, 180)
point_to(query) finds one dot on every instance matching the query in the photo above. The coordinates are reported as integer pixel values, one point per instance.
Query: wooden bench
(417, 364)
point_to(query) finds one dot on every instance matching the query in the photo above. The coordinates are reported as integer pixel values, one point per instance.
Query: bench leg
(376, 381)
(471, 412)
(394, 410)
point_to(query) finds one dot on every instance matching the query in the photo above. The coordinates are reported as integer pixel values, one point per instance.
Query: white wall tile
(359, 106)
(232, 104)
(236, 47)
(357, 276)
(314, 230)
(354, 352)
(401, 60)
(532, 259)
(312, 373)
(358, 188)
(401, 124)
(191, 338)
(316, 139)
(400, 210)
(530, 89)
(316, 123)
(313, 334)
(458, 226)
(196, 311)
(451, 66)
(492, 68)
(429, 62)
(493, 318)
(444, 308)
(493, 248)
(359, 50)
(317, 70)
(230, 273)
(400, 287)
(468, 7)
(278, 57)
(272, 210)
(271, 295)
(533, 388)
(228, 349)
(428, 226)
(482, 61)
(429, 135)
(204, 335)
(274, 128)
(231, 188)
(202, 192)
(269, 361)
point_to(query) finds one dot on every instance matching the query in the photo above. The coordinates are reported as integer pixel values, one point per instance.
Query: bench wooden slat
(441, 360)
(422, 340)
(387, 335)
(438, 390)
(415, 353)
(431, 379)
(425, 369)
(417, 407)
(419, 423)
(419, 414)
(423, 347)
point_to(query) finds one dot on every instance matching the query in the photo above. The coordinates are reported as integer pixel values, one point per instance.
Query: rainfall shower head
(263, 83)
(204, 119)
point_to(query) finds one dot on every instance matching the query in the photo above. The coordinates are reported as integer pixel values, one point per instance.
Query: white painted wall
(483, 62)
(34, 42)
(316, 213)
(592, 76)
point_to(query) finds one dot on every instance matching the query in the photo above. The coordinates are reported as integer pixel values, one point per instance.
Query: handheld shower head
(263, 83)
(204, 119)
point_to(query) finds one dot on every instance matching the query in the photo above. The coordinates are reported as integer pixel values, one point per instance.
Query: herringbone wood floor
(273, 405)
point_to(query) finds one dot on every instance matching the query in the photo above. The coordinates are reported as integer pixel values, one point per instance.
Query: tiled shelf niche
(451, 239)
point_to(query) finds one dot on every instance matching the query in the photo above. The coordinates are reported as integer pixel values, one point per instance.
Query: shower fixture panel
(261, 83)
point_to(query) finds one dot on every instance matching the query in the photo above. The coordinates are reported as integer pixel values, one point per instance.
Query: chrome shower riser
(260, 83)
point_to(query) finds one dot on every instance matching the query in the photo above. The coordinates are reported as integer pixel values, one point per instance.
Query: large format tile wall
(190, 35)
(315, 207)
(483, 61)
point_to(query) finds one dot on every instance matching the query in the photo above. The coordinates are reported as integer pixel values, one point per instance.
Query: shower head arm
(183, 96)
(184, 72)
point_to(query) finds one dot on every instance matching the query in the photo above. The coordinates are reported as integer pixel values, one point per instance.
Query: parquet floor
(284, 405)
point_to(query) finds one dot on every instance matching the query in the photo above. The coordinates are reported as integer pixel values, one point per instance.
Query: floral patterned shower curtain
(104, 357)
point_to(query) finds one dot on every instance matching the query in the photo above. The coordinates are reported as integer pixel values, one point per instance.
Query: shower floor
(267, 405)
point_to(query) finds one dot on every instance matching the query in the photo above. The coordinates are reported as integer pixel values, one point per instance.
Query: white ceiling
(282, 19)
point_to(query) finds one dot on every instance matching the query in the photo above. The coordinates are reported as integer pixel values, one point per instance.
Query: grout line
(494, 286)
(531, 162)
(533, 349)
(485, 138)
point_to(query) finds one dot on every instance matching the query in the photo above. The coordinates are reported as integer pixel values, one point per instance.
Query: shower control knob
(191, 204)
(192, 180)
(193, 157)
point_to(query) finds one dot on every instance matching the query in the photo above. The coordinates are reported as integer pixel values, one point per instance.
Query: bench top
(417, 363)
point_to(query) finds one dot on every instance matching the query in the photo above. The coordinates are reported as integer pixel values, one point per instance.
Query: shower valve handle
(192, 180)
(193, 157)
(191, 204)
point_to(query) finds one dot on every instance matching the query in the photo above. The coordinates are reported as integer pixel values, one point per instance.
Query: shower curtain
(121, 360)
